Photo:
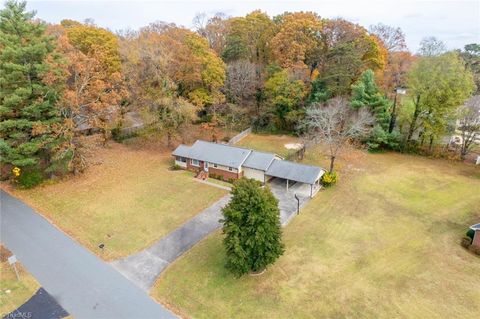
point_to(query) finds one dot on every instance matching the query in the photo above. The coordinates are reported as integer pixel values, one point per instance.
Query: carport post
(311, 190)
(287, 184)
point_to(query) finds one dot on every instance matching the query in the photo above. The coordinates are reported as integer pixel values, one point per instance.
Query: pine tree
(29, 118)
(365, 93)
(252, 228)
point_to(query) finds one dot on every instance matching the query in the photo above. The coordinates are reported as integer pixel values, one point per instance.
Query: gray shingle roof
(220, 154)
(475, 227)
(294, 171)
(259, 160)
(182, 150)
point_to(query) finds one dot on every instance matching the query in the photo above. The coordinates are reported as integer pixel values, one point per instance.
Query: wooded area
(61, 83)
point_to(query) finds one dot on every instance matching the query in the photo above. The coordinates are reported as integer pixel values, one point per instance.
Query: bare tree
(469, 124)
(392, 38)
(240, 83)
(213, 28)
(335, 123)
(431, 46)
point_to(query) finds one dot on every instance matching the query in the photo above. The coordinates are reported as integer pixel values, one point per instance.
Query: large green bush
(30, 178)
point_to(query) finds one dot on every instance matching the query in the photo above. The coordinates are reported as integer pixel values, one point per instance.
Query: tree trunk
(169, 139)
(414, 119)
(393, 117)
(332, 161)
(430, 145)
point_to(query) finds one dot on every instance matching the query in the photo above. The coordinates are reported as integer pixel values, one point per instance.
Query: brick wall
(476, 239)
(193, 168)
(226, 174)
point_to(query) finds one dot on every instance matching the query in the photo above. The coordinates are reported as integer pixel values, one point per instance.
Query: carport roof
(295, 172)
(259, 160)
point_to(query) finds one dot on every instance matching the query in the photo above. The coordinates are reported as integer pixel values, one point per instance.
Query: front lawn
(13, 292)
(383, 243)
(127, 201)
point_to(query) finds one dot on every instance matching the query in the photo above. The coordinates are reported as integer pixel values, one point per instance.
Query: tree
(469, 124)
(365, 93)
(248, 38)
(173, 113)
(284, 96)
(93, 93)
(348, 51)
(392, 38)
(28, 90)
(95, 41)
(251, 225)
(471, 56)
(395, 73)
(431, 46)
(334, 124)
(438, 86)
(298, 42)
(241, 80)
(215, 29)
(163, 58)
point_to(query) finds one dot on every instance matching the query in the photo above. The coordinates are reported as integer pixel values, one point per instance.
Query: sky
(455, 22)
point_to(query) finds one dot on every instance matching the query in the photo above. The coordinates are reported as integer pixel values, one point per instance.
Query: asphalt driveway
(145, 266)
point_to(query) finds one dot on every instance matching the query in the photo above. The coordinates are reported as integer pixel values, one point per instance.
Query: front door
(205, 167)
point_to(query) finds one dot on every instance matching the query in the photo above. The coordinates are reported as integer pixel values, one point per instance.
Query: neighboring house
(476, 236)
(232, 162)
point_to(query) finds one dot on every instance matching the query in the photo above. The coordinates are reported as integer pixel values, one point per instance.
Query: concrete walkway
(213, 184)
(144, 267)
(82, 284)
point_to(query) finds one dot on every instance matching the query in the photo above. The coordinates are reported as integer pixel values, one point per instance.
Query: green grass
(127, 202)
(269, 143)
(383, 243)
(13, 292)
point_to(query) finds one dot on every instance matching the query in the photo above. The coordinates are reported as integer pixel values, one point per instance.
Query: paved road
(81, 283)
(144, 267)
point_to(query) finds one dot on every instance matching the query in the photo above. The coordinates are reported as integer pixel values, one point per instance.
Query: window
(195, 162)
(181, 159)
(215, 165)
(230, 169)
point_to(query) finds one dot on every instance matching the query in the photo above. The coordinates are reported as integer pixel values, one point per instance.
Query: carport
(294, 173)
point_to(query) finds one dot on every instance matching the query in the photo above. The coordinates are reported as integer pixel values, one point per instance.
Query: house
(476, 236)
(231, 162)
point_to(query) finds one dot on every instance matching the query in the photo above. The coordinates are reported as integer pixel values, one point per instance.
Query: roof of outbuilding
(259, 160)
(294, 171)
(220, 154)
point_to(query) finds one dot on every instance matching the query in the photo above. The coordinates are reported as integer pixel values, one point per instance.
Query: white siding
(254, 173)
(224, 168)
(181, 164)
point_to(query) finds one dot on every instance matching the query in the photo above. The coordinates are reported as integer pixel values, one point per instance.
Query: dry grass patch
(383, 243)
(269, 143)
(128, 201)
(13, 292)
